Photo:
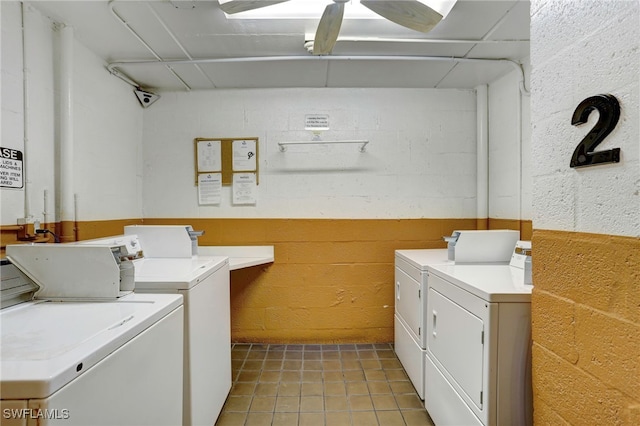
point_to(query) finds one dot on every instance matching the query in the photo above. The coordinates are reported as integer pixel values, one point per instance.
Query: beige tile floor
(327, 385)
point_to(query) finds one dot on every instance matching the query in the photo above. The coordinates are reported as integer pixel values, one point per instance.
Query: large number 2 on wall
(609, 109)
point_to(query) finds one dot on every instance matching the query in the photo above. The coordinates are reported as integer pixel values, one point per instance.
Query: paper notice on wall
(244, 156)
(209, 156)
(316, 122)
(244, 188)
(209, 188)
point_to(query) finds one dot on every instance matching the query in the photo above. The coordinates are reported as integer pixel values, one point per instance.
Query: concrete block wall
(586, 236)
(107, 125)
(420, 160)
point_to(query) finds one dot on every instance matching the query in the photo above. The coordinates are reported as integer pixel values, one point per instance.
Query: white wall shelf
(363, 143)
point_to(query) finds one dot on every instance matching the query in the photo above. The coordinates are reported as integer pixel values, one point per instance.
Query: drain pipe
(482, 179)
(67, 230)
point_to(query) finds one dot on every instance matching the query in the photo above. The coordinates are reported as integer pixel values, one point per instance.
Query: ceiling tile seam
(119, 18)
(173, 36)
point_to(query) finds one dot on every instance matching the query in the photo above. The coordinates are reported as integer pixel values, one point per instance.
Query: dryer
(411, 283)
(74, 360)
(478, 358)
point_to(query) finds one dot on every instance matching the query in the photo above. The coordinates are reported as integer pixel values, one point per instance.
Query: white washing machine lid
(493, 283)
(175, 273)
(46, 345)
(421, 258)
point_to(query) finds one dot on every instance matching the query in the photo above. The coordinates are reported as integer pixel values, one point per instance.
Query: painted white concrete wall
(107, 126)
(420, 161)
(132, 163)
(38, 173)
(510, 186)
(581, 49)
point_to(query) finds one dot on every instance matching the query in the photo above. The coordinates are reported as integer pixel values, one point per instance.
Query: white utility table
(240, 256)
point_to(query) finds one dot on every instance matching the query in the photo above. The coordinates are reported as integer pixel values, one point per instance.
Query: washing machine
(411, 283)
(77, 360)
(478, 358)
(166, 261)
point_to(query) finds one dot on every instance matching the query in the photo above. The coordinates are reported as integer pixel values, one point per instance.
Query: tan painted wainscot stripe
(586, 328)
(332, 279)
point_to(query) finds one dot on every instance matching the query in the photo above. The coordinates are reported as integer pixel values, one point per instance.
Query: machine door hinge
(482, 337)
(419, 293)
(480, 397)
(419, 331)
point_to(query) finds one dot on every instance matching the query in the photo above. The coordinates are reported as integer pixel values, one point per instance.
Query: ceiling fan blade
(328, 29)
(236, 6)
(408, 13)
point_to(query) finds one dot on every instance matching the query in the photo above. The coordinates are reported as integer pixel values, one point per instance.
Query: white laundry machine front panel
(462, 344)
(207, 348)
(456, 342)
(445, 406)
(204, 283)
(139, 384)
(410, 354)
(408, 301)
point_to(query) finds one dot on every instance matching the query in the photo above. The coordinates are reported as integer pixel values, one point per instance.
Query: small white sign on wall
(11, 167)
(244, 188)
(316, 122)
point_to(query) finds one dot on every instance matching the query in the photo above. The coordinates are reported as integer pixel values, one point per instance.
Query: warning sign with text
(11, 168)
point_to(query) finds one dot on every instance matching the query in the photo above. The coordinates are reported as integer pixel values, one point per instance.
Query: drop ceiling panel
(417, 48)
(472, 19)
(243, 45)
(267, 74)
(516, 25)
(500, 51)
(386, 73)
(470, 75)
(205, 32)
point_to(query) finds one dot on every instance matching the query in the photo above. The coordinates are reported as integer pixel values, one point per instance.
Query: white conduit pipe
(112, 67)
(482, 128)
(25, 115)
(66, 124)
(519, 94)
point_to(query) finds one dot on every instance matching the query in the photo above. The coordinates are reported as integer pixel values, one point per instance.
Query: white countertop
(493, 283)
(240, 256)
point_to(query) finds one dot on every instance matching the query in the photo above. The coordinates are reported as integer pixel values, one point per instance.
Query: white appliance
(203, 281)
(478, 359)
(411, 280)
(80, 362)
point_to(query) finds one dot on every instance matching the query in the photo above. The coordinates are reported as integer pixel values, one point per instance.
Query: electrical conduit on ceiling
(112, 67)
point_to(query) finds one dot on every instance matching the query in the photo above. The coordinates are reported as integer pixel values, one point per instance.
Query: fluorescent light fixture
(312, 9)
